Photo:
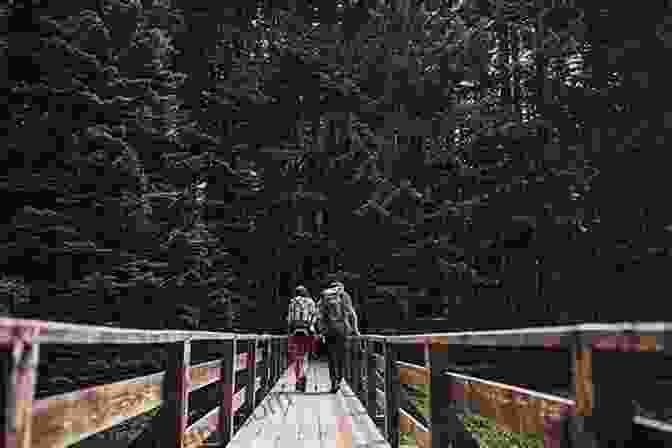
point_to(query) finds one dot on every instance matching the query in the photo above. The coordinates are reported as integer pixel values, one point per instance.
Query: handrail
(511, 406)
(648, 336)
(48, 332)
(599, 414)
(59, 421)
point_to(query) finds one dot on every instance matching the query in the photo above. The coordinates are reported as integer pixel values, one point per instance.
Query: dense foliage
(193, 160)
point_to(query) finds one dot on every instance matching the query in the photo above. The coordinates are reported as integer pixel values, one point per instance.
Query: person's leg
(292, 351)
(331, 357)
(300, 364)
(341, 359)
(338, 348)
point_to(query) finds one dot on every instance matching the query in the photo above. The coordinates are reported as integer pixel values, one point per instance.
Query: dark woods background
(183, 164)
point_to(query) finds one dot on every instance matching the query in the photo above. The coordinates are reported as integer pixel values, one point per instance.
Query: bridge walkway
(315, 419)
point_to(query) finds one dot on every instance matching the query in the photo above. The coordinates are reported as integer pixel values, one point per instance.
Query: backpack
(335, 314)
(301, 311)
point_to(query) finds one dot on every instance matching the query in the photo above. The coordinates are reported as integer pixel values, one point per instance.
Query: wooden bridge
(600, 414)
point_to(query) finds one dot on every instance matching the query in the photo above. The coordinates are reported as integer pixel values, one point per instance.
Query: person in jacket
(337, 320)
(301, 318)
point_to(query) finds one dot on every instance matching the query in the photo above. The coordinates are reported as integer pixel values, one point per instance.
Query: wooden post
(274, 361)
(176, 395)
(446, 428)
(227, 386)
(392, 395)
(250, 393)
(263, 375)
(278, 359)
(371, 405)
(19, 374)
(268, 365)
(603, 387)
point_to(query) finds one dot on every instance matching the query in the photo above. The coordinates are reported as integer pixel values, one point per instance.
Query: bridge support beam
(446, 427)
(227, 387)
(392, 395)
(250, 400)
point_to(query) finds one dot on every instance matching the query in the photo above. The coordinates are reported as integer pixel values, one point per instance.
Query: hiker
(301, 319)
(337, 320)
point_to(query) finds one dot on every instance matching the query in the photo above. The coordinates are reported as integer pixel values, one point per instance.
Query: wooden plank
(252, 375)
(371, 378)
(196, 434)
(227, 387)
(653, 424)
(413, 374)
(392, 395)
(65, 333)
(68, 418)
(380, 362)
(604, 409)
(408, 424)
(513, 408)
(242, 360)
(654, 336)
(19, 369)
(65, 419)
(201, 429)
(265, 374)
(175, 407)
(204, 374)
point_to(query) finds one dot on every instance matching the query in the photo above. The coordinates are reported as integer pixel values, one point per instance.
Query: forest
(195, 161)
(459, 165)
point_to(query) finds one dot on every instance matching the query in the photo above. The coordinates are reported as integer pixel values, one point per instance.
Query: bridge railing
(600, 414)
(59, 421)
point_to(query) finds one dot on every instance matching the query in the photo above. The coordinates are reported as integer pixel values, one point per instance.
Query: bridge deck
(316, 419)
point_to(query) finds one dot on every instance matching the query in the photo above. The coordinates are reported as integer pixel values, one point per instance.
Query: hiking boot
(301, 386)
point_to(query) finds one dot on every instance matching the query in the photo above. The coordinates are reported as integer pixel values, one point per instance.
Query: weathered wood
(392, 395)
(19, 374)
(413, 374)
(274, 361)
(605, 410)
(242, 360)
(200, 430)
(265, 369)
(65, 419)
(251, 375)
(370, 379)
(407, 424)
(624, 337)
(68, 418)
(380, 362)
(227, 388)
(445, 425)
(653, 424)
(64, 333)
(176, 395)
(513, 408)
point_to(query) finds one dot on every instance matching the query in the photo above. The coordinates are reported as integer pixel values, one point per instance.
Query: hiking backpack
(301, 312)
(335, 313)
